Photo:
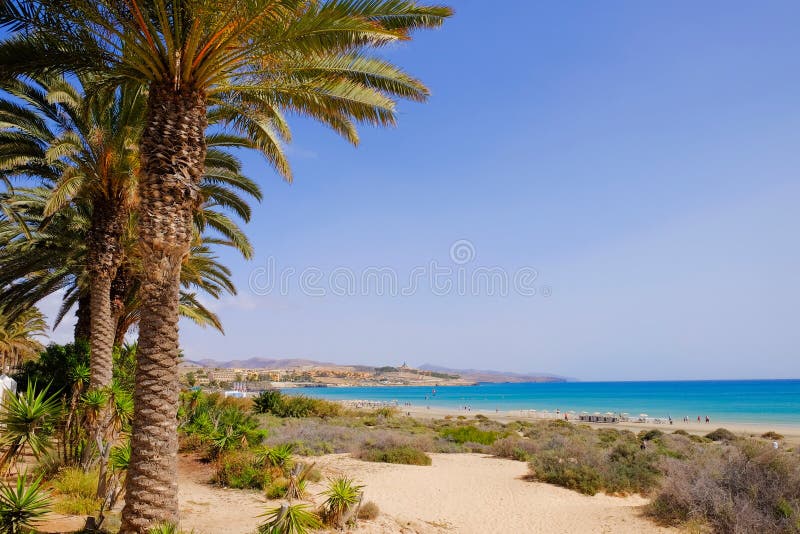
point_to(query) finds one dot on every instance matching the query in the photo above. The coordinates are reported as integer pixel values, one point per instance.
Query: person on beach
(707, 420)
(698, 419)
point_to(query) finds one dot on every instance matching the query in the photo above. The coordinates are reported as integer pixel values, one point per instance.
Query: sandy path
(464, 493)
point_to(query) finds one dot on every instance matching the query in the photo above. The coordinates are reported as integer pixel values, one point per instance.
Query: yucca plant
(342, 495)
(164, 528)
(279, 456)
(28, 422)
(289, 519)
(297, 481)
(22, 506)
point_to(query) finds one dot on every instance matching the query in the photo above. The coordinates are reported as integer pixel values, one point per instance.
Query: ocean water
(744, 401)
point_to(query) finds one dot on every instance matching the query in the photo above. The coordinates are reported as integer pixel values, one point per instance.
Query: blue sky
(642, 157)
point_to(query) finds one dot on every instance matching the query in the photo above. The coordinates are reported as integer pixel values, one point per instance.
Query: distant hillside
(471, 375)
(482, 375)
(260, 363)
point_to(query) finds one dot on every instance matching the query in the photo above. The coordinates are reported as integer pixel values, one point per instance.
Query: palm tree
(87, 149)
(17, 337)
(51, 257)
(245, 60)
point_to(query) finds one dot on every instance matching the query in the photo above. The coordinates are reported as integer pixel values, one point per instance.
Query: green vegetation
(469, 434)
(28, 423)
(398, 454)
(342, 495)
(242, 470)
(22, 506)
(276, 403)
(75, 492)
(289, 519)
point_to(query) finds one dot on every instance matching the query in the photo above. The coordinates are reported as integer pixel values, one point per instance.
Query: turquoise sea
(744, 401)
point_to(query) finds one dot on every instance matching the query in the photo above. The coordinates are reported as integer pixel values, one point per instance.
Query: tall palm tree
(87, 150)
(50, 258)
(246, 59)
(18, 337)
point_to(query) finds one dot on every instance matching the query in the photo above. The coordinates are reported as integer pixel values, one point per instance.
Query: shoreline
(790, 432)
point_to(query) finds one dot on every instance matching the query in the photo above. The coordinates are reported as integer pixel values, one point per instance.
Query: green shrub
(241, 470)
(721, 434)
(75, 492)
(469, 434)
(566, 472)
(399, 454)
(681, 432)
(274, 402)
(649, 435)
(277, 488)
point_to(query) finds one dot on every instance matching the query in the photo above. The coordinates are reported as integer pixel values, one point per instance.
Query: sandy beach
(463, 493)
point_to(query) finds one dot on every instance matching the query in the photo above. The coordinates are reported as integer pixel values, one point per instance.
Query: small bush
(315, 475)
(746, 486)
(681, 432)
(514, 448)
(467, 434)
(241, 470)
(277, 488)
(75, 492)
(274, 402)
(721, 434)
(566, 472)
(368, 511)
(400, 454)
(649, 435)
(772, 435)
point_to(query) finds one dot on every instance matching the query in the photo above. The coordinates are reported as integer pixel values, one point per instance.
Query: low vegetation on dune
(720, 481)
(742, 486)
(726, 482)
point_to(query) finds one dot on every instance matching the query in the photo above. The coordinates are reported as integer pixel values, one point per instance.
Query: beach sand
(462, 493)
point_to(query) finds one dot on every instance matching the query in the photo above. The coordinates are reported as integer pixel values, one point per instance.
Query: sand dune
(464, 493)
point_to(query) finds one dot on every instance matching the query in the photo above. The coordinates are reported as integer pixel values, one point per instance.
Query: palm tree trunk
(104, 256)
(83, 326)
(172, 157)
(102, 332)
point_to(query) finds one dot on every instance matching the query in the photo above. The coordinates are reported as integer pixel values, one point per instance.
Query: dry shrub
(740, 488)
(515, 448)
(721, 434)
(369, 510)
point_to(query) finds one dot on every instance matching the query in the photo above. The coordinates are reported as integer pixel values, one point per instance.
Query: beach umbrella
(642, 415)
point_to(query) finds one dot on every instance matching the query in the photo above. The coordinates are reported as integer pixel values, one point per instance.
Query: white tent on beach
(8, 386)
